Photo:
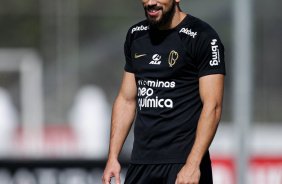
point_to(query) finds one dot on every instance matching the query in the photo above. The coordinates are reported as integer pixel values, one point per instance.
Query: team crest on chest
(173, 56)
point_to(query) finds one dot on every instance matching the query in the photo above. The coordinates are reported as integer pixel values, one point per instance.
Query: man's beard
(164, 19)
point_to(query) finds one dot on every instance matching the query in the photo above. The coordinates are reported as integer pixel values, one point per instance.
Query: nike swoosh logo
(138, 56)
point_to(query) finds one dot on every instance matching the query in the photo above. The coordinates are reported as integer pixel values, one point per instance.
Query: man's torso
(167, 66)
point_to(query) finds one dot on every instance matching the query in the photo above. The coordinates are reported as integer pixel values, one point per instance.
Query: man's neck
(176, 19)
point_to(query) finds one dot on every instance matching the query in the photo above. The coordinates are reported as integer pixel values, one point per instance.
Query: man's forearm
(122, 119)
(206, 130)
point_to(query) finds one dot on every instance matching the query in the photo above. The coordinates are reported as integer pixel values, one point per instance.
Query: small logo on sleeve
(139, 28)
(173, 56)
(215, 53)
(188, 32)
(156, 60)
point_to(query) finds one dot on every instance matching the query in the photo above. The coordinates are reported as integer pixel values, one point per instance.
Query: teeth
(153, 11)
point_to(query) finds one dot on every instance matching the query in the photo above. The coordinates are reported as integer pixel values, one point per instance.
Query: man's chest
(168, 58)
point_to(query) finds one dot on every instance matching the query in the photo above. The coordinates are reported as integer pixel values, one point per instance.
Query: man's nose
(152, 2)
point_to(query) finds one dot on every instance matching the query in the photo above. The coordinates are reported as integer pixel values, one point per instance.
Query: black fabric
(167, 67)
(164, 173)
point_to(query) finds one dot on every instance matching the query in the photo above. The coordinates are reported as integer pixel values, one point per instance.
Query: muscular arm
(122, 119)
(211, 92)
(123, 114)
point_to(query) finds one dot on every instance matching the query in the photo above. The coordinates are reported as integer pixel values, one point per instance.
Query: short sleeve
(127, 52)
(210, 55)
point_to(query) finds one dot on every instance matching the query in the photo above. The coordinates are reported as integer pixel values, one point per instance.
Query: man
(173, 80)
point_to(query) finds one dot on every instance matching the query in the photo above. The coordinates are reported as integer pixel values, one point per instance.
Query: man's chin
(153, 22)
(154, 19)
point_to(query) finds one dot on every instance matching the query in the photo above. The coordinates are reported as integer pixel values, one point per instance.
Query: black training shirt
(167, 65)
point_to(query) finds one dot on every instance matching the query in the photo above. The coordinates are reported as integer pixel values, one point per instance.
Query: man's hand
(112, 170)
(188, 175)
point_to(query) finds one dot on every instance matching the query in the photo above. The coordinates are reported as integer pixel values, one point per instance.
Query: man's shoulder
(196, 27)
(137, 31)
(141, 26)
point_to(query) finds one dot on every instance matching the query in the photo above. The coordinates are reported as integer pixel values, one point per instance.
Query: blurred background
(61, 66)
